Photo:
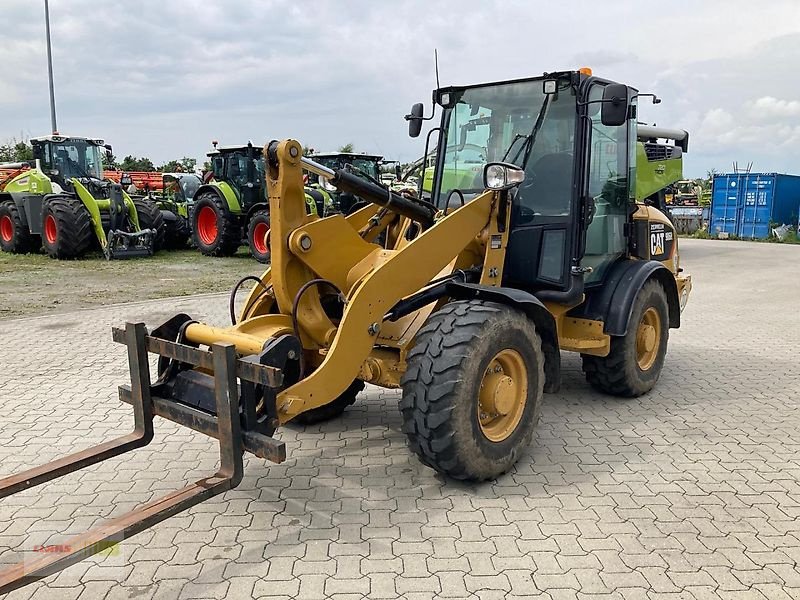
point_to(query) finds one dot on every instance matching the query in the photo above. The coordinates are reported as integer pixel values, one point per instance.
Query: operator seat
(550, 189)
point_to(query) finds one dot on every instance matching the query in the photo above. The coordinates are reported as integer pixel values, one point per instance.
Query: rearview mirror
(614, 111)
(415, 120)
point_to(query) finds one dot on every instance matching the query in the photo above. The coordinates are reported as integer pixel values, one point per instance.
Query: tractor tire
(332, 409)
(14, 234)
(215, 229)
(257, 231)
(635, 360)
(176, 233)
(472, 391)
(67, 230)
(150, 217)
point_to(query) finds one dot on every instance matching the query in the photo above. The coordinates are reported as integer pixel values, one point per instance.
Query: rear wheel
(473, 388)
(14, 234)
(66, 227)
(635, 360)
(257, 231)
(332, 409)
(216, 231)
(150, 217)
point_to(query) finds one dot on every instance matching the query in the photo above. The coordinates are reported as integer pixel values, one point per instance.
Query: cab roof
(345, 155)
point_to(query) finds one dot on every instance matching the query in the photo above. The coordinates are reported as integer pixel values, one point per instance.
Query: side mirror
(415, 120)
(614, 111)
(125, 180)
(109, 149)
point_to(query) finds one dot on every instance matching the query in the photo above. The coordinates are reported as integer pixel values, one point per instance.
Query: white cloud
(164, 77)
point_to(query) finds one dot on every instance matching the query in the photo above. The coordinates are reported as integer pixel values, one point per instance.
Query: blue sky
(164, 78)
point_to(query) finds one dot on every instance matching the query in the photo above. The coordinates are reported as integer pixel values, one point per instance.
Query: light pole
(50, 68)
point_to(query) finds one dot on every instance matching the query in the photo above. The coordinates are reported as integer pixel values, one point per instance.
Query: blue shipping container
(746, 204)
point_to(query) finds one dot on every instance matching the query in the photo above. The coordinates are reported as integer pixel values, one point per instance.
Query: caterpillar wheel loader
(64, 204)
(465, 307)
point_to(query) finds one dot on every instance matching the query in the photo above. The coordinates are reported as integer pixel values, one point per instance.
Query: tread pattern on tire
(229, 236)
(75, 232)
(176, 233)
(432, 379)
(150, 217)
(614, 374)
(23, 240)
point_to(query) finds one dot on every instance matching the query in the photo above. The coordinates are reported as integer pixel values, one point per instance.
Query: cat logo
(656, 243)
(662, 239)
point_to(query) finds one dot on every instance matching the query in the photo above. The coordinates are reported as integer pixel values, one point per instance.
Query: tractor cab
(571, 139)
(63, 158)
(366, 166)
(241, 167)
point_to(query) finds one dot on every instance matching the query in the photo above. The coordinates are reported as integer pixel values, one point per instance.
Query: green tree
(184, 165)
(308, 151)
(349, 147)
(16, 151)
(133, 163)
(110, 162)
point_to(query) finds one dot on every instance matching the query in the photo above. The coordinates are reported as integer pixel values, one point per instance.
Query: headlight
(502, 176)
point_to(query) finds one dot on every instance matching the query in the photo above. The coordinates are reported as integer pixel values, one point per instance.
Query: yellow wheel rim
(503, 392)
(648, 339)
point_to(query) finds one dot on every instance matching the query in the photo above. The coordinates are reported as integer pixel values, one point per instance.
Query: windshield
(364, 165)
(190, 185)
(77, 158)
(511, 122)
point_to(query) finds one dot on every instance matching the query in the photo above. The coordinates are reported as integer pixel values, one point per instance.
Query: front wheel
(150, 217)
(215, 229)
(635, 360)
(67, 230)
(257, 231)
(473, 388)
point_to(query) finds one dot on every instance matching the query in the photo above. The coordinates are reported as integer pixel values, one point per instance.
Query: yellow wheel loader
(465, 306)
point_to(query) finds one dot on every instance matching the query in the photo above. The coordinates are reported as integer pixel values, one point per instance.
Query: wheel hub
(207, 228)
(503, 394)
(6, 228)
(50, 229)
(260, 238)
(648, 336)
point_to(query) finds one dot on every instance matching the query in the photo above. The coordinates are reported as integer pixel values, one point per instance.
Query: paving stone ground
(692, 491)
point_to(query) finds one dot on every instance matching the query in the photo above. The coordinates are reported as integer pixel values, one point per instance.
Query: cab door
(608, 182)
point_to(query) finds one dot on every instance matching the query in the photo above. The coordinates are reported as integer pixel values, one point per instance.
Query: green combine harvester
(63, 204)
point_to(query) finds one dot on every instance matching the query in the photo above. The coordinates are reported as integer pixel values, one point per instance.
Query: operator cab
(63, 157)
(366, 166)
(573, 136)
(242, 167)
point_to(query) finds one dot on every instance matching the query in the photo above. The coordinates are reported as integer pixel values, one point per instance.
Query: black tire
(619, 373)
(332, 409)
(257, 248)
(74, 233)
(441, 386)
(14, 234)
(150, 217)
(176, 233)
(227, 239)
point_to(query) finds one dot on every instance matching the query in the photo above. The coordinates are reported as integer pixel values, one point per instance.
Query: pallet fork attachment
(226, 426)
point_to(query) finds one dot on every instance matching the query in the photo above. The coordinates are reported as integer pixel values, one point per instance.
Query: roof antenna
(436, 66)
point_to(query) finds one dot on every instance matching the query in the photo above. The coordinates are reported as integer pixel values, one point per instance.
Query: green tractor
(62, 203)
(368, 166)
(233, 205)
(174, 200)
